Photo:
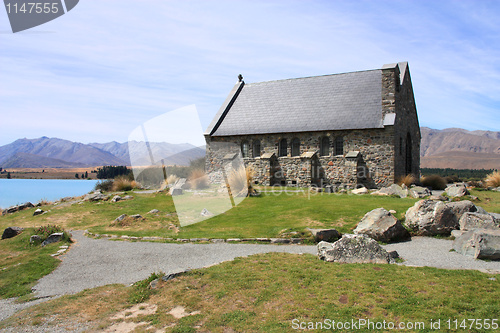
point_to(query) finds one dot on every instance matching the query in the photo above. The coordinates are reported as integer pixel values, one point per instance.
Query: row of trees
(110, 171)
(461, 174)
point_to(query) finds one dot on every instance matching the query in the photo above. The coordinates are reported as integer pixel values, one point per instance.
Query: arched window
(295, 147)
(339, 145)
(282, 149)
(256, 148)
(244, 148)
(324, 149)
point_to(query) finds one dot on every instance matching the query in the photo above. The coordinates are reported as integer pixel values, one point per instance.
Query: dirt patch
(179, 312)
(142, 309)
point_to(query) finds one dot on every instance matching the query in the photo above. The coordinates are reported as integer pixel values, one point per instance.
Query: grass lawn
(271, 292)
(21, 264)
(264, 216)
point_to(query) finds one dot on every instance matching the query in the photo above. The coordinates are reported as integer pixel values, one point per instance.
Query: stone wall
(397, 96)
(372, 167)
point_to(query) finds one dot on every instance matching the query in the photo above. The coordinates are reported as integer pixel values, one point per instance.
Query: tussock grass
(198, 179)
(493, 179)
(407, 180)
(123, 183)
(435, 182)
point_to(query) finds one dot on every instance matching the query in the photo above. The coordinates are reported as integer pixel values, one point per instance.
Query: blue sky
(106, 67)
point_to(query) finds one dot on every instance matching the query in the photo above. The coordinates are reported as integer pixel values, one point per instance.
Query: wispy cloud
(109, 66)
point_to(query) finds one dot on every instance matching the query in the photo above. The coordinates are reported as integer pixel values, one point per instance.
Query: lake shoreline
(50, 173)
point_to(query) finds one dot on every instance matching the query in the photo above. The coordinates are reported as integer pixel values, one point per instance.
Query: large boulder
(470, 221)
(394, 189)
(479, 243)
(382, 226)
(430, 218)
(325, 235)
(53, 238)
(11, 232)
(464, 206)
(456, 190)
(419, 192)
(354, 249)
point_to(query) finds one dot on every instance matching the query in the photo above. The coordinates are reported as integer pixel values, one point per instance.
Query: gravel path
(433, 252)
(96, 262)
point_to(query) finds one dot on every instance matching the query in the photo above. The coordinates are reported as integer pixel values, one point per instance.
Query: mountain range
(47, 152)
(457, 148)
(454, 148)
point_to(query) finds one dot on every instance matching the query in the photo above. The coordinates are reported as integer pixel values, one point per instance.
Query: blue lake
(17, 191)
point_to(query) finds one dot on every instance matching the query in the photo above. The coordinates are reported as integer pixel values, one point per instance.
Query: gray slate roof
(329, 102)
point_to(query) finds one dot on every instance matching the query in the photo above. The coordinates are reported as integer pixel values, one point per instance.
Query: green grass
(21, 264)
(263, 216)
(266, 292)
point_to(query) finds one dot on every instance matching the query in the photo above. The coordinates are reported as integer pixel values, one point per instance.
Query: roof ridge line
(315, 76)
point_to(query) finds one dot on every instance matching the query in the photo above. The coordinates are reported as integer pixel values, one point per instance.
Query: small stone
(35, 239)
(205, 212)
(38, 212)
(153, 211)
(121, 218)
(116, 198)
(136, 216)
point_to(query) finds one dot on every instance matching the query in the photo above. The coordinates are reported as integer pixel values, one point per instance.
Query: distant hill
(24, 160)
(457, 148)
(454, 148)
(47, 152)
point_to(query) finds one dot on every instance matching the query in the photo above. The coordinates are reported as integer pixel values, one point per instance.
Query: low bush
(45, 231)
(104, 186)
(476, 184)
(435, 182)
(452, 179)
(493, 179)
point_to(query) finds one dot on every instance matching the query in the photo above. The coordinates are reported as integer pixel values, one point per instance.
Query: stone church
(342, 130)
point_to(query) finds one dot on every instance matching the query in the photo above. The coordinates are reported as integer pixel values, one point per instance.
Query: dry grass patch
(493, 179)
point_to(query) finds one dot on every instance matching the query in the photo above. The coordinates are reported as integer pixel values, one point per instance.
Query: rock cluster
(17, 208)
(430, 218)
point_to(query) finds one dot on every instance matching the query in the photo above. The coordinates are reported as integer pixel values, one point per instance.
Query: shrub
(493, 179)
(435, 182)
(407, 180)
(452, 179)
(45, 231)
(476, 184)
(105, 185)
(198, 179)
